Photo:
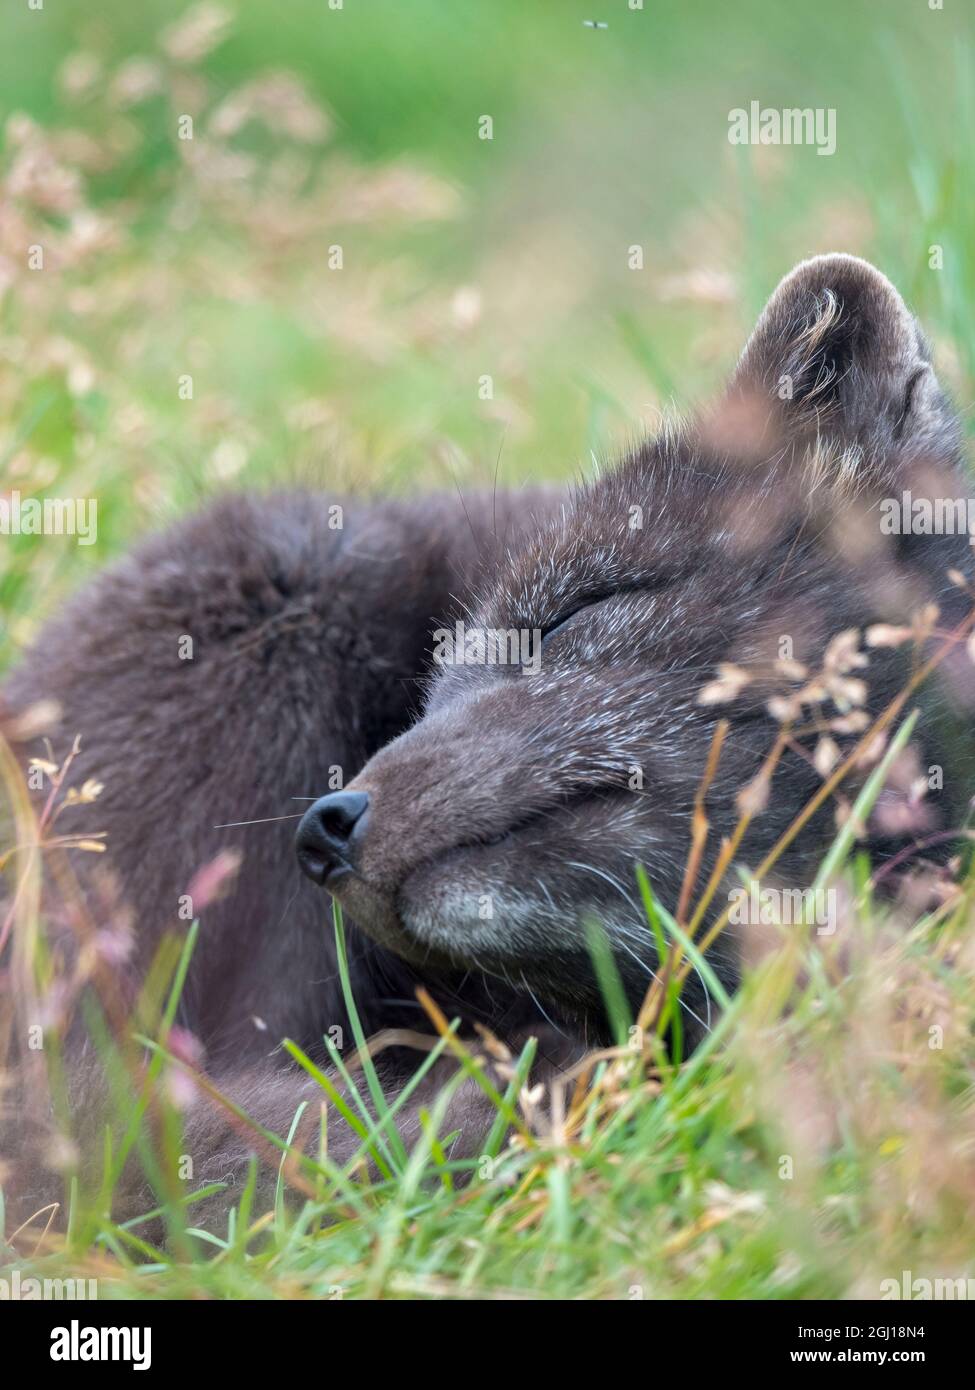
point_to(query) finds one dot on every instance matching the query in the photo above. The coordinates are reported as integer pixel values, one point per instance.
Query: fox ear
(837, 353)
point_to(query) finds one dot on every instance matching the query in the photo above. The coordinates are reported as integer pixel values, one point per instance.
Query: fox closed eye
(568, 617)
(623, 589)
(573, 611)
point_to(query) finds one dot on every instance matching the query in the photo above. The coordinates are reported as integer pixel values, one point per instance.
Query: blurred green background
(462, 259)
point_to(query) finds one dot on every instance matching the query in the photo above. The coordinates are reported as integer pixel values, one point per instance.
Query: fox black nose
(325, 837)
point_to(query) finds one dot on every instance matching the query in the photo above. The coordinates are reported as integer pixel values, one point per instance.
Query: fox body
(475, 804)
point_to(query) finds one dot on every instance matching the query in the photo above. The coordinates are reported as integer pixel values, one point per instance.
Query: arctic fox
(474, 804)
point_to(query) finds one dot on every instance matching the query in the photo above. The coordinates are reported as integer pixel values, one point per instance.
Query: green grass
(804, 1151)
(503, 258)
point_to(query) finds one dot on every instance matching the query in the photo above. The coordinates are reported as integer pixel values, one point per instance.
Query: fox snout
(485, 838)
(415, 801)
(328, 835)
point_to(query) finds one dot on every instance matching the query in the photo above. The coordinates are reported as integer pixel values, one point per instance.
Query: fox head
(571, 718)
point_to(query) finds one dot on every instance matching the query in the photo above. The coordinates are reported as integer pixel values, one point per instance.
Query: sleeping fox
(494, 711)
